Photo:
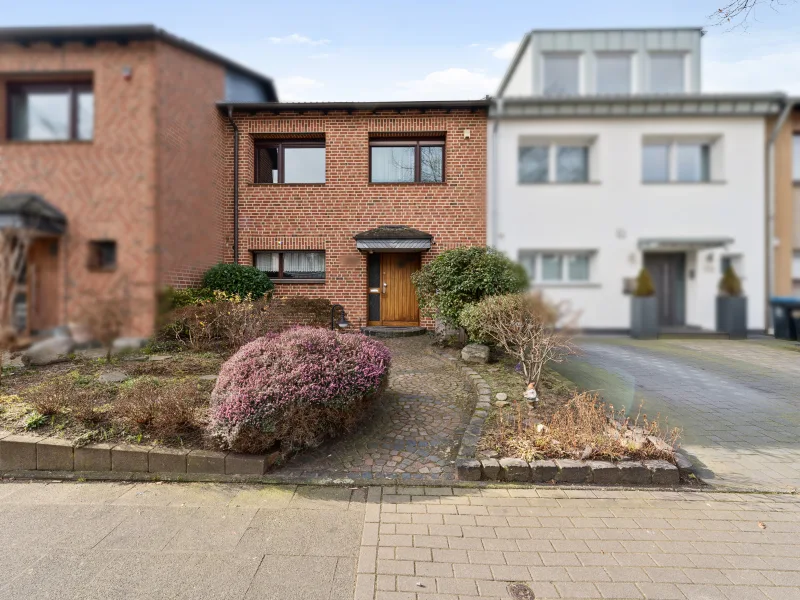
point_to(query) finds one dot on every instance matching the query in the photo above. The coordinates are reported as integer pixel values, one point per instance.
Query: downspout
(771, 202)
(493, 202)
(235, 186)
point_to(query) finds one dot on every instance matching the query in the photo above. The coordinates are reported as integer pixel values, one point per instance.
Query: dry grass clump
(73, 395)
(180, 365)
(582, 428)
(163, 409)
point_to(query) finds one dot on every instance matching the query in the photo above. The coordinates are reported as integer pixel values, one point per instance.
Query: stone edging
(36, 453)
(469, 468)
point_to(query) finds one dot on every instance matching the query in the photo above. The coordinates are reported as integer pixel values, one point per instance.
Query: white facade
(615, 217)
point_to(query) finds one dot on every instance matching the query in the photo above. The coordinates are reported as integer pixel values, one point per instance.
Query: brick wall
(106, 187)
(284, 313)
(190, 134)
(326, 216)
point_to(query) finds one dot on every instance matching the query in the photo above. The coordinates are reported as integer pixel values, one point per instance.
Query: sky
(428, 49)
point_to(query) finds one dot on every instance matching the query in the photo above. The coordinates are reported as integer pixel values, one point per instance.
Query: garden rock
(159, 357)
(501, 396)
(113, 377)
(48, 352)
(659, 444)
(475, 353)
(128, 343)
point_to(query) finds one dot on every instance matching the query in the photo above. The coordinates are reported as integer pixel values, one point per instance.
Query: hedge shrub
(464, 276)
(296, 389)
(242, 280)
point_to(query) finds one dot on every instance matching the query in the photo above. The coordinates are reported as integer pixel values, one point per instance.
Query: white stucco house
(604, 157)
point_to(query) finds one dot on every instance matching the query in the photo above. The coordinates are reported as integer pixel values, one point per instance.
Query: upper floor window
(290, 161)
(50, 111)
(667, 72)
(613, 73)
(406, 160)
(796, 157)
(561, 74)
(566, 162)
(676, 161)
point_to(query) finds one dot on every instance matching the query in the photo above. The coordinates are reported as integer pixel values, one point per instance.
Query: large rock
(475, 353)
(47, 352)
(124, 344)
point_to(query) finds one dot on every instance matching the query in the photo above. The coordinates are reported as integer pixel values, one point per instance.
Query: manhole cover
(520, 591)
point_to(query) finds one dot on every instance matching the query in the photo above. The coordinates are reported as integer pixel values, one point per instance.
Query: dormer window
(667, 73)
(613, 73)
(561, 74)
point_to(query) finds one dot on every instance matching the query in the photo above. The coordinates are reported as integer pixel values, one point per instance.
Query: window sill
(722, 182)
(569, 183)
(285, 184)
(102, 269)
(281, 281)
(565, 284)
(407, 183)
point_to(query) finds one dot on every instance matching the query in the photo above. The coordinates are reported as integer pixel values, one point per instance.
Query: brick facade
(326, 216)
(149, 179)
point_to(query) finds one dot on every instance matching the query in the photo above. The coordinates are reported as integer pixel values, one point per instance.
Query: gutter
(771, 238)
(235, 186)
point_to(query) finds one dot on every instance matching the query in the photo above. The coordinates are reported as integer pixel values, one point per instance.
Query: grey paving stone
(515, 469)
(18, 452)
(490, 468)
(93, 457)
(206, 461)
(573, 471)
(54, 454)
(167, 460)
(543, 471)
(129, 459)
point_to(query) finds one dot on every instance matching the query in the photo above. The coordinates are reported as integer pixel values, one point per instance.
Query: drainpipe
(493, 202)
(787, 109)
(235, 186)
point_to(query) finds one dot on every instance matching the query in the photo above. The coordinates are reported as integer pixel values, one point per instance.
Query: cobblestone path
(412, 433)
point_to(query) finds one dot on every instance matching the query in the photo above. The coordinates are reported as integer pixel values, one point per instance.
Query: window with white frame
(668, 72)
(563, 162)
(686, 161)
(613, 73)
(561, 74)
(796, 265)
(557, 267)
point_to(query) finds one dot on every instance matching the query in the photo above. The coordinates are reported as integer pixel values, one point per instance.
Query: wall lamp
(342, 322)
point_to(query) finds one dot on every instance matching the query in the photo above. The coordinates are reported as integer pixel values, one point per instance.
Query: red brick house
(345, 200)
(113, 132)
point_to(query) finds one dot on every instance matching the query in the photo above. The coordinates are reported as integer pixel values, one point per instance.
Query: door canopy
(31, 212)
(393, 238)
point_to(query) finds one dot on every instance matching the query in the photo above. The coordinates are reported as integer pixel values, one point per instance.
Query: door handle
(384, 287)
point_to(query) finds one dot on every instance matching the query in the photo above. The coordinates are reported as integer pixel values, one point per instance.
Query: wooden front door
(397, 305)
(43, 280)
(668, 273)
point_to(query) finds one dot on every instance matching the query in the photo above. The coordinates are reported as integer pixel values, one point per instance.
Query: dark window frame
(72, 88)
(281, 145)
(417, 142)
(280, 278)
(95, 260)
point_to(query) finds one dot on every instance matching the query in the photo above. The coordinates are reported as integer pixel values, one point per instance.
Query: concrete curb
(469, 468)
(28, 453)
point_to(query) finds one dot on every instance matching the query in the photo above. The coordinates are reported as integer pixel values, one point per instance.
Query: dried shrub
(524, 325)
(585, 428)
(72, 394)
(178, 366)
(730, 284)
(296, 389)
(644, 284)
(105, 320)
(161, 408)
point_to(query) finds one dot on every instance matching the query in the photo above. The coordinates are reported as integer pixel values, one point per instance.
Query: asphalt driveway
(738, 402)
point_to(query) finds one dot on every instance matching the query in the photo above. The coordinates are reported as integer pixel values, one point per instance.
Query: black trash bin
(785, 317)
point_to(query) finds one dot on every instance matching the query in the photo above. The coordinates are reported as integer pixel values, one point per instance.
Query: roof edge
(354, 106)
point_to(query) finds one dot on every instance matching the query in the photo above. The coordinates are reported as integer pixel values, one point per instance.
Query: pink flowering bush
(295, 389)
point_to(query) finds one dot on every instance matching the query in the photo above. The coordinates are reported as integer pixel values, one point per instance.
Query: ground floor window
(556, 267)
(292, 265)
(102, 255)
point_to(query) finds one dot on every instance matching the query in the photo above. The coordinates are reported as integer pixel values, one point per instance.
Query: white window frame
(552, 159)
(565, 257)
(672, 158)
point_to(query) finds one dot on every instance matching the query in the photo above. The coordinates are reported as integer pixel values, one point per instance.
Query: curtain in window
(304, 265)
(269, 262)
(393, 164)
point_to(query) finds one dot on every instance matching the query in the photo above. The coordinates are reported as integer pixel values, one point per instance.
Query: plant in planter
(731, 306)
(644, 308)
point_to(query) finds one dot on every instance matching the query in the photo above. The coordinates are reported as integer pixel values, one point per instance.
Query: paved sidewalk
(414, 431)
(77, 541)
(738, 402)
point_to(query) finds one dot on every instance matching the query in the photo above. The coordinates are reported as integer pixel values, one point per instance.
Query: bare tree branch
(738, 14)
